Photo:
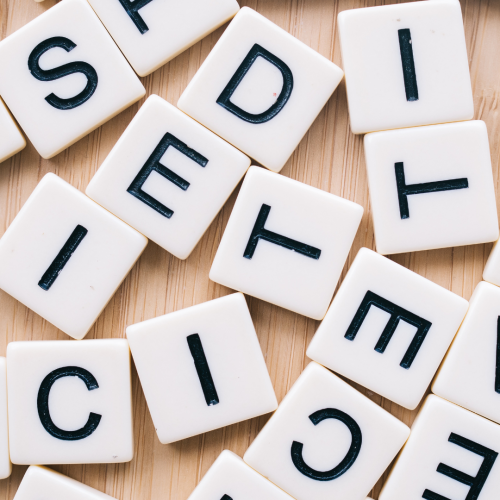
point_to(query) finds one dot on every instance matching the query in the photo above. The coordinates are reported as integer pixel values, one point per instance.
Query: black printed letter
(53, 271)
(203, 370)
(475, 483)
(347, 461)
(132, 7)
(47, 75)
(405, 190)
(259, 232)
(43, 403)
(255, 52)
(153, 163)
(397, 313)
(409, 75)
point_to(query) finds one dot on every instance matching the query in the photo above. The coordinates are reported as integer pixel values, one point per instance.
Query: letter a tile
(201, 368)
(405, 65)
(326, 440)
(70, 402)
(452, 453)
(168, 176)
(470, 374)
(431, 187)
(260, 89)
(64, 256)
(230, 478)
(388, 329)
(286, 242)
(63, 76)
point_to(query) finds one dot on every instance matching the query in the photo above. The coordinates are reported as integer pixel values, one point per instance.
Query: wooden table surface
(329, 157)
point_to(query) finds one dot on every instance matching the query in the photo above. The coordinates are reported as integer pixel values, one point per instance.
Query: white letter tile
(388, 329)
(286, 242)
(70, 402)
(11, 139)
(491, 271)
(66, 76)
(42, 482)
(431, 187)
(405, 65)
(168, 176)
(5, 465)
(260, 89)
(151, 32)
(470, 374)
(201, 368)
(230, 477)
(64, 256)
(326, 440)
(451, 454)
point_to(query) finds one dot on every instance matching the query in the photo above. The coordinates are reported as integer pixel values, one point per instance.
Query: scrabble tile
(470, 374)
(260, 89)
(42, 482)
(168, 176)
(431, 187)
(405, 65)
(201, 368)
(66, 76)
(451, 454)
(64, 256)
(70, 402)
(11, 139)
(326, 440)
(491, 271)
(5, 465)
(388, 329)
(230, 478)
(286, 242)
(151, 32)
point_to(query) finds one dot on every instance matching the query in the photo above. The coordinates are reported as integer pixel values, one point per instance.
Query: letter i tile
(70, 402)
(260, 89)
(168, 176)
(431, 187)
(452, 453)
(286, 242)
(201, 368)
(388, 329)
(63, 76)
(326, 440)
(64, 256)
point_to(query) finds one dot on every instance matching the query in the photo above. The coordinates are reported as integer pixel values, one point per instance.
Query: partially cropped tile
(491, 271)
(64, 256)
(5, 465)
(326, 440)
(64, 76)
(151, 32)
(41, 481)
(431, 187)
(70, 402)
(470, 374)
(286, 242)
(11, 139)
(260, 89)
(168, 176)
(201, 368)
(388, 329)
(230, 478)
(405, 65)
(452, 453)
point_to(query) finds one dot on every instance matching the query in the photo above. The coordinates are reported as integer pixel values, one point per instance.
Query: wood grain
(329, 157)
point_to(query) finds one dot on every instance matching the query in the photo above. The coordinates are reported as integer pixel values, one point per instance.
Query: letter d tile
(260, 89)
(326, 440)
(70, 402)
(451, 453)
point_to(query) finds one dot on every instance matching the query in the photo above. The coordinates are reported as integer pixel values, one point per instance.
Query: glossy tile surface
(11, 138)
